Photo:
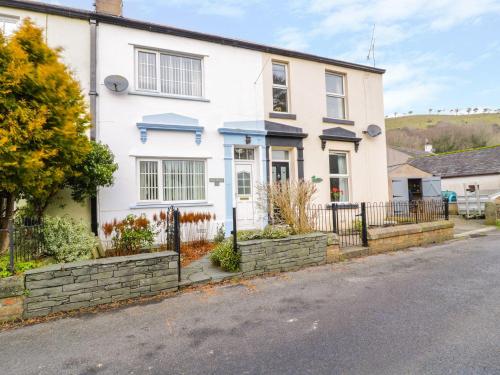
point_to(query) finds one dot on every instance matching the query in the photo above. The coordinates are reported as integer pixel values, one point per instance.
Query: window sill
(283, 115)
(330, 120)
(142, 205)
(166, 96)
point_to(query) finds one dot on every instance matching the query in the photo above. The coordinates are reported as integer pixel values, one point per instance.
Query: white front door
(245, 195)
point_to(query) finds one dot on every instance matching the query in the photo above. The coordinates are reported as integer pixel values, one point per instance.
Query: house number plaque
(216, 181)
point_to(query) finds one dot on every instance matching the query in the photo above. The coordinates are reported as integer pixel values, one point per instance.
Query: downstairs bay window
(172, 180)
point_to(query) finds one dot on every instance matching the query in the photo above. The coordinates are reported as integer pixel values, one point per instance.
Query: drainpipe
(93, 110)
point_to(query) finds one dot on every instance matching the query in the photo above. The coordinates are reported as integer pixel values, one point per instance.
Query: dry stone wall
(401, 237)
(284, 254)
(76, 285)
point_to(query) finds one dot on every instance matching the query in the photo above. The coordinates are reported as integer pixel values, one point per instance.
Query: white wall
(229, 76)
(364, 93)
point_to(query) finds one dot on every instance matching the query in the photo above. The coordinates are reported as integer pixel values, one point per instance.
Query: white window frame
(338, 175)
(244, 148)
(250, 186)
(277, 86)
(158, 53)
(336, 95)
(5, 19)
(138, 169)
(161, 192)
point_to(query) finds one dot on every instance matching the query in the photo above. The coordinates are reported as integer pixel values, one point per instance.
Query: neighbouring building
(72, 34)
(478, 167)
(407, 182)
(199, 121)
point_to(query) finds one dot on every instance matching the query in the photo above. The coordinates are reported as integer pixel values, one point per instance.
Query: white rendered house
(199, 121)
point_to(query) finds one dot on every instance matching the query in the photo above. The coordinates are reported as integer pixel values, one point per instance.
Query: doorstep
(354, 252)
(202, 271)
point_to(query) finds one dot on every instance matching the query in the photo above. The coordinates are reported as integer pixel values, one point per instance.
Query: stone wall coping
(401, 230)
(292, 237)
(11, 286)
(101, 261)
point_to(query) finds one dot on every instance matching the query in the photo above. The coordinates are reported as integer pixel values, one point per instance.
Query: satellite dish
(373, 130)
(116, 83)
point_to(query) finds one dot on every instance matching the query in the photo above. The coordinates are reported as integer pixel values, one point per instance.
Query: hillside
(445, 132)
(424, 121)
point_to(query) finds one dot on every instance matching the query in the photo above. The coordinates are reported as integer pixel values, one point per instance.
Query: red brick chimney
(111, 7)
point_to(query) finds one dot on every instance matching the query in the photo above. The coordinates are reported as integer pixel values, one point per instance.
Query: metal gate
(348, 221)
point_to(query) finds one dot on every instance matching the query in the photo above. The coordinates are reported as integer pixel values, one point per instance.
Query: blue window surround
(144, 127)
(238, 137)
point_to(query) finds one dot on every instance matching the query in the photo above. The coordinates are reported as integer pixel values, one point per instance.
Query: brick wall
(284, 254)
(71, 286)
(405, 236)
(11, 298)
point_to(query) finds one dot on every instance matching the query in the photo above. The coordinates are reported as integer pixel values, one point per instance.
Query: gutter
(93, 111)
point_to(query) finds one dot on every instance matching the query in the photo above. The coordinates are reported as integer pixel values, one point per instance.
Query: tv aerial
(116, 83)
(371, 50)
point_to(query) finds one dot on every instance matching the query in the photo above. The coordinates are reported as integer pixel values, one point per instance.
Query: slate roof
(483, 161)
(142, 25)
(277, 129)
(409, 151)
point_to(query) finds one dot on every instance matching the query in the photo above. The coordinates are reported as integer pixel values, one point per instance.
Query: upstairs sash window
(169, 74)
(280, 88)
(335, 96)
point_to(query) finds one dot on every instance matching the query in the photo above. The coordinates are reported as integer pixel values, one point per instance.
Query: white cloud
(396, 20)
(403, 98)
(413, 78)
(292, 38)
(225, 8)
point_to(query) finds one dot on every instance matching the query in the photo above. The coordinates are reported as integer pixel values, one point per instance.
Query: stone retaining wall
(284, 254)
(11, 298)
(405, 236)
(491, 213)
(71, 286)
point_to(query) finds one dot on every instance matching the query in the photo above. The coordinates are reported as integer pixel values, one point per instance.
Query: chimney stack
(111, 7)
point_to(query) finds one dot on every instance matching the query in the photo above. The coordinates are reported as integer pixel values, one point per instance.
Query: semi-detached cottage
(205, 119)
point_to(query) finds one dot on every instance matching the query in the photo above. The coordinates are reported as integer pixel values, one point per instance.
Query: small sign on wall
(217, 181)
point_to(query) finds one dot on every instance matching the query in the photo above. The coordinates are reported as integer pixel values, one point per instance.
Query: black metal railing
(351, 221)
(171, 234)
(25, 237)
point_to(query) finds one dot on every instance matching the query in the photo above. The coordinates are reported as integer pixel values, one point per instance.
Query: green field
(424, 121)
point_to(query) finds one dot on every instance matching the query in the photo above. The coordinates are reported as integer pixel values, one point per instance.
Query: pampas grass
(286, 203)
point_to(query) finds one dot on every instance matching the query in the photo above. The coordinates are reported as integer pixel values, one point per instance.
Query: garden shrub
(269, 232)
(287, 203)
(220, 234)
(130, 235)
(20, 267)
(247, 235)
(225, 257)
(66, 240)
(273, 231)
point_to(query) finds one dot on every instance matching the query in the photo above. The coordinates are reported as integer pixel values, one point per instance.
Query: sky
(439, 54)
